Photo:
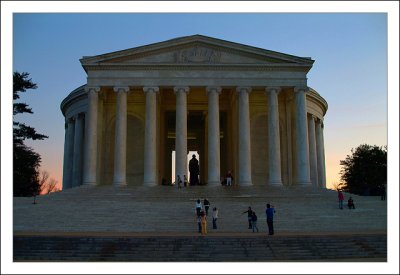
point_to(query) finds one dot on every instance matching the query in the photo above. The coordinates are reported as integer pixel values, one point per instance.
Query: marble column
(89, 177)
(120, 137)
(77, 156)
(181, 165)
(150, 137)
(68, 153)
(302, 165)
(244, 157)
(320, 154)
(323, 156)
(312, 151)
(274, 148)
(213, 136)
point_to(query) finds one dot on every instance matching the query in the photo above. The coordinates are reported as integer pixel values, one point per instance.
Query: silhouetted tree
(47, 185)
(365, 170)
(25, 160)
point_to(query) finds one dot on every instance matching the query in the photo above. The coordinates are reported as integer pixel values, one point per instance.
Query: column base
(150, 183)
(245, 183)
(304, 183)
(275, 183)
(88, 183)
(119, 184)
(213, 183)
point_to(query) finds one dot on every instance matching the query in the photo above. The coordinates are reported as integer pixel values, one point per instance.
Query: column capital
(71, 119)
(271, 89)
(301, 88)
(181, 89)
(317, 119)
(216, 89)
(76, 116)
(93, 89)
(121, 89)
(154, 89)
(243, 89)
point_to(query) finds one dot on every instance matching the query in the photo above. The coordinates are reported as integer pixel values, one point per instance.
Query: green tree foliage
(25, 160)
(365, 170)
(26, 167)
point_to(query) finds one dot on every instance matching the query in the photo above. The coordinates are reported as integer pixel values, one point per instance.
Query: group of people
(202, 214)
(350, 202)
(269, 214)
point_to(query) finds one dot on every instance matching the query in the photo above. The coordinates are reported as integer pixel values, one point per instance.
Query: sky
(350, 69)
(349, 45)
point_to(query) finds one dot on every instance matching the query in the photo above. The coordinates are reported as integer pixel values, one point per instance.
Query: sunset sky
(348, 43)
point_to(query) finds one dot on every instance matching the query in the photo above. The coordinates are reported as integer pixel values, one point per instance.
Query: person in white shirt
(215, 217)
(198, 207)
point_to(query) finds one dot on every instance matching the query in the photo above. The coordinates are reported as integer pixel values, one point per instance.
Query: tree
(25, 160)
(47, 185)
(365, 170)
(337, 186)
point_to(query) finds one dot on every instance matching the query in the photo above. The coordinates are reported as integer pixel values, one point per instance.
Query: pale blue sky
(349, 49)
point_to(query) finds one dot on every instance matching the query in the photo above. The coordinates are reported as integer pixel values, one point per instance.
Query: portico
(244, 109)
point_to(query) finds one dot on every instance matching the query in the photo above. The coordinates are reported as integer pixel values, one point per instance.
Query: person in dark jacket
(249, 214)
(269, 212)
(350, 203)
(206, 204)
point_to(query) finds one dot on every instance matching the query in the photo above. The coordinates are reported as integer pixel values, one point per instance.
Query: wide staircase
(198, 248)
(159, 224)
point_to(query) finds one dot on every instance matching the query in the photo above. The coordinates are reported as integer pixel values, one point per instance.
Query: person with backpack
(254, 221)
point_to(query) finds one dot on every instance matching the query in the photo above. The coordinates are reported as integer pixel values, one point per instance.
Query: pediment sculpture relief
(198, 55)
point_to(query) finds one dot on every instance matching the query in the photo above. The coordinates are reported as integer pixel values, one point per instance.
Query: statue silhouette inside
(194, 170)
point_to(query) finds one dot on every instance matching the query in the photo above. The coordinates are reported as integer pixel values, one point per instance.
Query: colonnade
(309, 149)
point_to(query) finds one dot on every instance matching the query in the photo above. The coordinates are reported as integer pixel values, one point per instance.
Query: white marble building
(242, 108)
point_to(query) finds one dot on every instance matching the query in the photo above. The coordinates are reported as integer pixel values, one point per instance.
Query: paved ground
(166, 210)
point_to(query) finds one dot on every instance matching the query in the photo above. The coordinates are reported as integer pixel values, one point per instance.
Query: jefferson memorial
(240, 108)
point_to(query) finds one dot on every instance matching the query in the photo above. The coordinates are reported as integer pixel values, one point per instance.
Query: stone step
(31, 248)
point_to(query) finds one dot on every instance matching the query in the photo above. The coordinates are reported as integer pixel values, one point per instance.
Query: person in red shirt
(341, 199)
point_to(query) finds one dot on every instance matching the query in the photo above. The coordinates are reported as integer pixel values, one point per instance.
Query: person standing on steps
(199, 223)
(249, 215)
(229, 178)
(341, 199)
(198, 207)
(179, 182)
(203, 223)
(206, 204)
(215, 217)
(254, 221)
(269, 213)
(185, 181)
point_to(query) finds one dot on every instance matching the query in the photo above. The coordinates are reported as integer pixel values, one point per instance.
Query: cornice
(74, 96)
(211, 67)
(316, 97)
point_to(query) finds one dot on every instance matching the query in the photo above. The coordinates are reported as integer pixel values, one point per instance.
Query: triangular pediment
(196, 50)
